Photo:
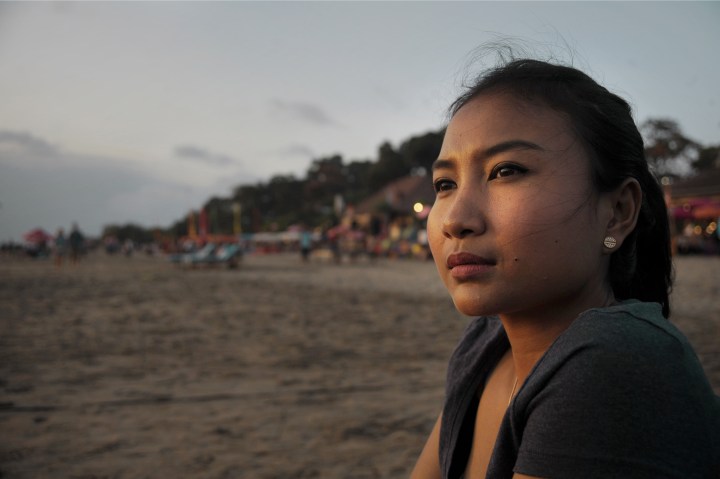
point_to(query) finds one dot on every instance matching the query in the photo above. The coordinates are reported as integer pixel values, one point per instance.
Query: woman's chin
(473, 307)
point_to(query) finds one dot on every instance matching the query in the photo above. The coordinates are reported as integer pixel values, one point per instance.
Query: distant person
(77, 243)
(59, 248)
(128, 247)
(305, 244)
(549, 227)
(335, 240)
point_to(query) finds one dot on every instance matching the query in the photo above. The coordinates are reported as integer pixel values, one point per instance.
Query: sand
(133, 368)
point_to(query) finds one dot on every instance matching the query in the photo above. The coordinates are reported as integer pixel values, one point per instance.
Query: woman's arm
(428, 464)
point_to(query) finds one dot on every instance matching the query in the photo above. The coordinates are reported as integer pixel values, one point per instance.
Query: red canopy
(697, 208)
(337, 231)
(37, 236)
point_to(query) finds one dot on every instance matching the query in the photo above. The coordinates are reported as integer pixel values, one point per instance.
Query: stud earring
(610, 242)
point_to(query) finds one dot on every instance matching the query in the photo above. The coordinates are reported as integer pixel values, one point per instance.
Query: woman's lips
(468, 265)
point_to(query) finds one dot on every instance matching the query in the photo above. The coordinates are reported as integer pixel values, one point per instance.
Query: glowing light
(418, 207)
(697, 230)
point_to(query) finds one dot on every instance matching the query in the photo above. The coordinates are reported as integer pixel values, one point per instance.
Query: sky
(117, 112)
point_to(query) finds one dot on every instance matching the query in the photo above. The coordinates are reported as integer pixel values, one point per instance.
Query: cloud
(83, 189)
(202, 155)
(306, 112)
(23, 144)
(297, 149)
(48, 187)
(389, 98)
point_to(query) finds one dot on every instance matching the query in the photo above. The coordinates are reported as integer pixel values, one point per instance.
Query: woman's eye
(443, 185)
(504, 170)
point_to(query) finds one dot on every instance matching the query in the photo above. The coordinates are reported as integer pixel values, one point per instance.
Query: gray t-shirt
(620, 394)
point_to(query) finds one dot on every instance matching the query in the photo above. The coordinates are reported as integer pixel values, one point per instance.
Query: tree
(421, 151)
(285, 205)
(389, 166)
(708, 159)
(668, 151)
(249, 197)
(357, 175)
(178, 229)
(325, 179)
(219, 213)
(129, 231)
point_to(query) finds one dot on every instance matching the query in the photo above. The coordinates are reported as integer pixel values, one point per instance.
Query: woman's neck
(531, 334)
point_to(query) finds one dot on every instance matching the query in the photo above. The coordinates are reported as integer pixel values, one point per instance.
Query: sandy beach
(135, 368)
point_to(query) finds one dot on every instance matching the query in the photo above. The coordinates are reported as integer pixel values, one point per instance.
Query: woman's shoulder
(625, 349)
(621, 379)
(630, 328)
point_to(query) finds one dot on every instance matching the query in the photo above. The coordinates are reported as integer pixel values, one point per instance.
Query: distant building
(698, 196)
(399, 198)
(694, 206)
(394, 217)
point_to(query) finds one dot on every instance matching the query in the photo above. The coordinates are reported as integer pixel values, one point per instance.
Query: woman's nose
(464, 217)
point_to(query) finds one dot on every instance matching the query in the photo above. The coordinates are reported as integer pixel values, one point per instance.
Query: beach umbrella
(37, 236)
(338, 230)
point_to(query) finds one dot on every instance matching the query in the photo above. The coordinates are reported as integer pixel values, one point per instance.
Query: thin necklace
(512, 393)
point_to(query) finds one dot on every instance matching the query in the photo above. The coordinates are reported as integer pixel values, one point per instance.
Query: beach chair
(211, 254)
(177, 258)
(198, 256)
(228, 255)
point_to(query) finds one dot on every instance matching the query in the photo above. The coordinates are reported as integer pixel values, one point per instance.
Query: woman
(60, 247)
(549, 226)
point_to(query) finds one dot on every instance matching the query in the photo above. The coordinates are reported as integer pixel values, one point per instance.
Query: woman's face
(516, 228)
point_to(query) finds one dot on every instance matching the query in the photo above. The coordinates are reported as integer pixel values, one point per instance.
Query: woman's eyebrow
(507, 146)
(483, 155)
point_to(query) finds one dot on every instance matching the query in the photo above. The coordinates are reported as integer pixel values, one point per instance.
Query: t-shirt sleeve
(616, 409)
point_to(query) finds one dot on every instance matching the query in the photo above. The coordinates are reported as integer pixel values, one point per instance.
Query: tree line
(286, 200)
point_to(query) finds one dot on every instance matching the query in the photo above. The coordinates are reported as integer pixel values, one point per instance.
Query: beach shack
(393, 218)
(694, 206)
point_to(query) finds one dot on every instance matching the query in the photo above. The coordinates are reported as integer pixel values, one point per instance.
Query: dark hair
(642, 267)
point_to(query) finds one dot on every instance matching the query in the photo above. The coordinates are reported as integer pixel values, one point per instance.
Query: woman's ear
(625, 202)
